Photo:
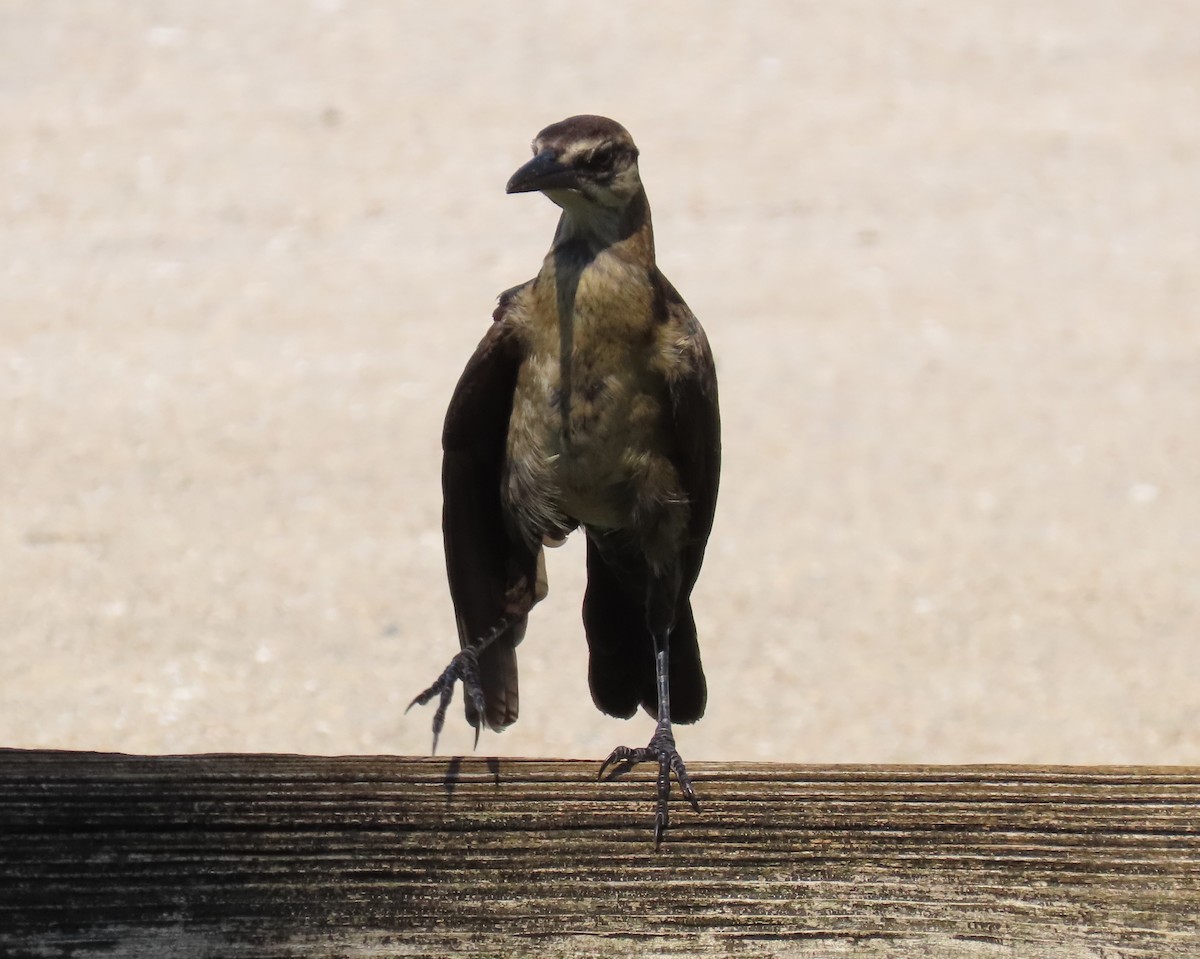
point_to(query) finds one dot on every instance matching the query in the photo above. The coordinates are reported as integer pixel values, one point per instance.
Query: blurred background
(948, 256)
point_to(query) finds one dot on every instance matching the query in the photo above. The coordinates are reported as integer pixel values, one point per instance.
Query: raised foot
(464, 668)
(662, 749)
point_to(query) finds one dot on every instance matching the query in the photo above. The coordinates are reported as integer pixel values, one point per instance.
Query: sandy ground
(948, 256)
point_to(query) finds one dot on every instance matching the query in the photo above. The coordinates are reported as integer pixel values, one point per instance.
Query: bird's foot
(661, 749)
(464, 668)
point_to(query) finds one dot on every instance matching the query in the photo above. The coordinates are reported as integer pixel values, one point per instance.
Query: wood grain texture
(253, 855)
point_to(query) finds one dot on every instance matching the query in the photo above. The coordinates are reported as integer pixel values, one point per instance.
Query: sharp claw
(422, 697)
(685, 781)
(621, 754)
(661, 748)
(463, 668)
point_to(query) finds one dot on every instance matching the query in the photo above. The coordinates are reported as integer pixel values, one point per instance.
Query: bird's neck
(599, 269)
(587, 229)
(599, 254)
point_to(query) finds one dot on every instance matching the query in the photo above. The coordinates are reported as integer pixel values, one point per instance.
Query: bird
(590, 402)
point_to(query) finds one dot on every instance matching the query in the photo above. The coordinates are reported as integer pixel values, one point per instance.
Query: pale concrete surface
(948, 256)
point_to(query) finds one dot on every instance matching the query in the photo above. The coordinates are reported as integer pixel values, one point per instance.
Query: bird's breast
(588, 413)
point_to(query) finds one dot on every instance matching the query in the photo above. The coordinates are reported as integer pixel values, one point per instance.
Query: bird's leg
(662, 744)
(464, 668)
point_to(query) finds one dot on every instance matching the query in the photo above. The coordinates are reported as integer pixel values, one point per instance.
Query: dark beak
(543, 172)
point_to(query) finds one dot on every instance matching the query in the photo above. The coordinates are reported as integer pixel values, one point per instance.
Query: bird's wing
(621, 675)
(481, 558)
(692, 387)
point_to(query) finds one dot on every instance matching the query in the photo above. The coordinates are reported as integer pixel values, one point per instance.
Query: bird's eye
(599, 159)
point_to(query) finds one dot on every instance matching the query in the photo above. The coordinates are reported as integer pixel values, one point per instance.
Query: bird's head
(585, 164)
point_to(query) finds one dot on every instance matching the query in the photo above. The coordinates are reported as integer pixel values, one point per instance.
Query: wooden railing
(260, 855)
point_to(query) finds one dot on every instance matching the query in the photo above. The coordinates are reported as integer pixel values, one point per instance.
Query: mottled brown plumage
(591, 401)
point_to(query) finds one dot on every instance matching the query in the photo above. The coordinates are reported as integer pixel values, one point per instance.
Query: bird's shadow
(454, 774)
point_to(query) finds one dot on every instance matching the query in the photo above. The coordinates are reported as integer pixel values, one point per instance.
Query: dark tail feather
(498, 677)
(621, 664)
(689, 691)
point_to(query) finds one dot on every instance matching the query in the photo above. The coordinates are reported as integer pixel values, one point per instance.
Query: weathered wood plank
(373, 856)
